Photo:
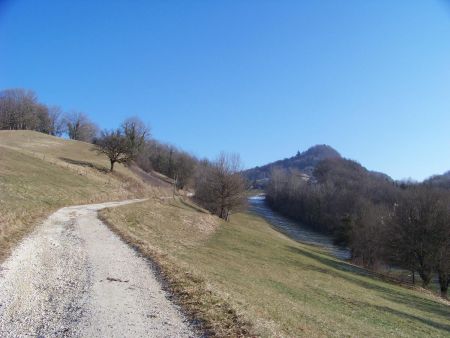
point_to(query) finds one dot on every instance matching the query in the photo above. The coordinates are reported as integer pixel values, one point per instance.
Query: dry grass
(246, 277)
(41, 173)
(177, 226)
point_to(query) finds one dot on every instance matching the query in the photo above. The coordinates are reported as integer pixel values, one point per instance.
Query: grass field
(40, 173)
(243, 277)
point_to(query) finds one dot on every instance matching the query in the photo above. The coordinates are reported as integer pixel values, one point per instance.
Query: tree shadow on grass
(85, 164)
(194, 207)
(404, 315)
(341, 269)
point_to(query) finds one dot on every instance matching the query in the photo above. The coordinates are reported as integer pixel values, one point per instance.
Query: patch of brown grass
(40, 174)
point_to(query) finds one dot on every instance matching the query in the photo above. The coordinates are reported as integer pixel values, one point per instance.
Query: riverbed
(295, 230)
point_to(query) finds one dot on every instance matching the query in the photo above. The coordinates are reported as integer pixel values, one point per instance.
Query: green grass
(270, 284)
(40, 173)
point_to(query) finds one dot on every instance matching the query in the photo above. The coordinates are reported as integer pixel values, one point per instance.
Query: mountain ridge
(305, 162)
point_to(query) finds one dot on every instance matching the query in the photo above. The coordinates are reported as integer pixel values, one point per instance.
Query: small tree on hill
(136, 134)
(220, 187)
(124, 144)
(56, 121)
(114, 145)
(80, 127)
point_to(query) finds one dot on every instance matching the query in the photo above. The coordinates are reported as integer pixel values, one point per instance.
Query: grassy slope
(281, 287)
(40, 173)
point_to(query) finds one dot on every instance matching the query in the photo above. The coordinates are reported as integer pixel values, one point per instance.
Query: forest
(402, 224)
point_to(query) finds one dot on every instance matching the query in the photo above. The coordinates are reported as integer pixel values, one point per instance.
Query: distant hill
(380, 175)
(304, 162)
(440, 180)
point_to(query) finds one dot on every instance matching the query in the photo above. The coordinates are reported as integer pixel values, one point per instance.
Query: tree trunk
(444, 280)
(224, 213)
(426, 277)
(112, 165)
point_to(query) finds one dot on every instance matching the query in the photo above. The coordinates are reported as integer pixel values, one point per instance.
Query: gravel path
(73, 277)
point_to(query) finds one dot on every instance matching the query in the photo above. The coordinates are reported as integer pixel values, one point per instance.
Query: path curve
(73, 277)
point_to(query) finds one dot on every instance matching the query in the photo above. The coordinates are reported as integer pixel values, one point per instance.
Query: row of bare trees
(382, 222)
(218, 185)
(169, 161)
(418, 233)
(20, 109)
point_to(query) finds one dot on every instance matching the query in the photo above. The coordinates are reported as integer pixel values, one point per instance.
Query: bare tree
(123, 145)
(443, 267)
(20, 109)
(168, 160)
(219, 185)
(56, 121)
(41, 121)
(136, 134)
(366, 234)
(184, 167)
(414, 235)
(114, 145)
(80, 127)
(443, 246)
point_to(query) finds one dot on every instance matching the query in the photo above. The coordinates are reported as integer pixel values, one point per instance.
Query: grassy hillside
(40, 173)
(243, 277)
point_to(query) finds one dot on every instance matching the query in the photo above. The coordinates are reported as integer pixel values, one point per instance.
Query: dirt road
(74, 278)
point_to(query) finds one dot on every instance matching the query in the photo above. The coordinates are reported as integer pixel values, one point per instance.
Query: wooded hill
(440, 180)
(304, 162)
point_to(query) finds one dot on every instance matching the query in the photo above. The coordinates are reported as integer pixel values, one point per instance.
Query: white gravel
(73, 277)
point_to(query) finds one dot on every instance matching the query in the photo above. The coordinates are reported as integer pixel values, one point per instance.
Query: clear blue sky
(261, 78)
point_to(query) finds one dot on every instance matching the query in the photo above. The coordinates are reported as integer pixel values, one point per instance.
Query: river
(295, 230)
